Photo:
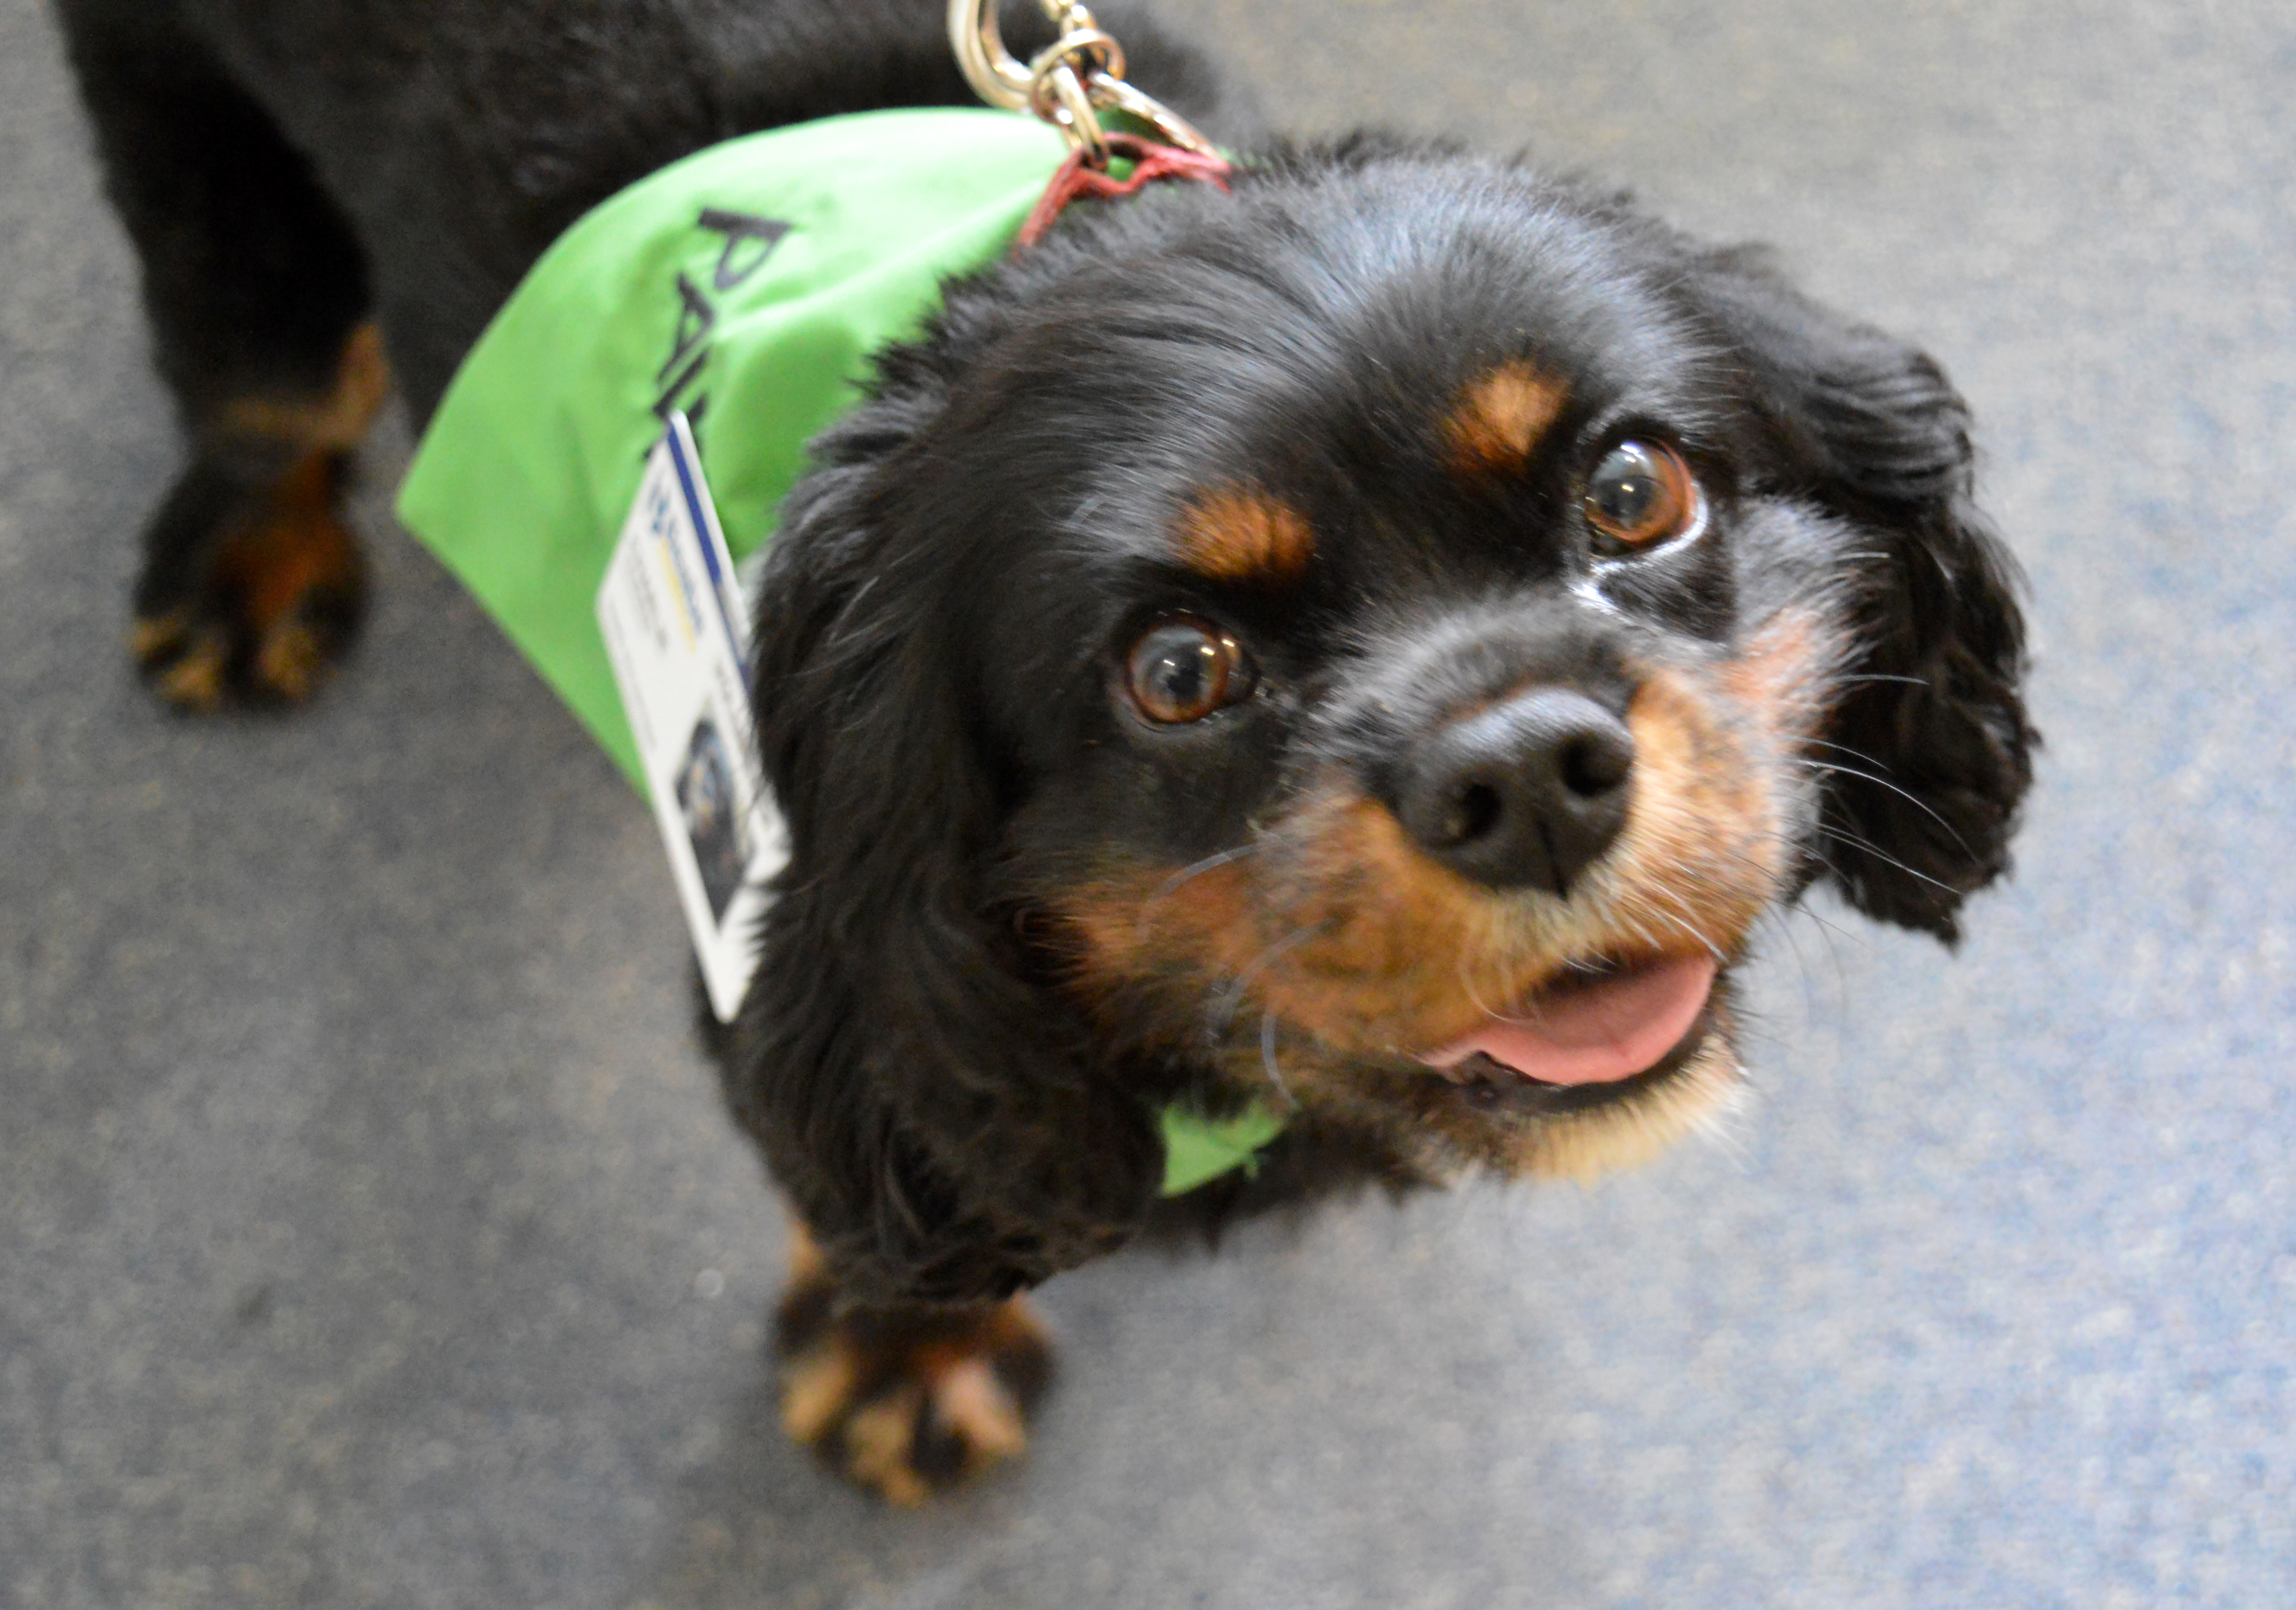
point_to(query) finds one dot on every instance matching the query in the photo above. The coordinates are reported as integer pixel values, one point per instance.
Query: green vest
(750, 282)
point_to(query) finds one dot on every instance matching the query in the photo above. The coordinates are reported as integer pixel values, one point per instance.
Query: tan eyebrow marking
(1230, 534)
(1501, 417)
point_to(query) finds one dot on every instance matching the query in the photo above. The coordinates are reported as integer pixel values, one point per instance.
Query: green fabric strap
(747, 286)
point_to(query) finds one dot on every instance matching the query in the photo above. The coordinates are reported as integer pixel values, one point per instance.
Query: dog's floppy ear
(1930, 752)
(932, 1109)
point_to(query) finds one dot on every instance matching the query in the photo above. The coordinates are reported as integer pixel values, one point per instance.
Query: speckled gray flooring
(360, 1187)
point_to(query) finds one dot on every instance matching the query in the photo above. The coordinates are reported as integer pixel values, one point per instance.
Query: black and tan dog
(1375, 641)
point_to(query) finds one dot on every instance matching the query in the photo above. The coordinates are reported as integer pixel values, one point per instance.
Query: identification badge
(676, 633)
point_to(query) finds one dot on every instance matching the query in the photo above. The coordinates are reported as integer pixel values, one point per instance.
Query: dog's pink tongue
(1609, 1029)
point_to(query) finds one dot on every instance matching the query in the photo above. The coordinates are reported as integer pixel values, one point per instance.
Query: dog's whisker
(1836, 767)
(1881, 677)
(1834, 931)
(1875, 851)
(1172, 885)
(1267, 1058)
(1686, 922)
(1782, 919)
(1467, 987)
(1227, 998)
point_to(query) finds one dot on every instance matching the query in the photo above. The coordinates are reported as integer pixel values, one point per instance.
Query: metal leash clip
(1069, 83)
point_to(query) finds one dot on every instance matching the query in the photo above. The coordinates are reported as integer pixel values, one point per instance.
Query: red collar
(1151, 161)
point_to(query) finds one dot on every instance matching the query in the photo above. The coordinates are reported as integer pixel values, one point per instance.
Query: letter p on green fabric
(748, 286)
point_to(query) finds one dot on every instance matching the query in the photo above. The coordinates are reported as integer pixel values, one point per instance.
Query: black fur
(419, 156)
(1931, 745)
(950, 584)
(948, 1124)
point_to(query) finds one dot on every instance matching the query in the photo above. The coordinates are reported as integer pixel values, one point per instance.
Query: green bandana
(1197, 1148)
(748, 286)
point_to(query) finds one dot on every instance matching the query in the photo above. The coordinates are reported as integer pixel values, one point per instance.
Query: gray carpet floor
(370, 1235)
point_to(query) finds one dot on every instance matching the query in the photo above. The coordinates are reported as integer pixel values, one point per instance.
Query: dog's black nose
(1523, 794)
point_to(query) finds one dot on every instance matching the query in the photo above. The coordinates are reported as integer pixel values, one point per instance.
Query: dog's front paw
(909, 1402)
(252, 586)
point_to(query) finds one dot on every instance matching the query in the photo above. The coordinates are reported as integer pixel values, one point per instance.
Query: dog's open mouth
(1598, 1024)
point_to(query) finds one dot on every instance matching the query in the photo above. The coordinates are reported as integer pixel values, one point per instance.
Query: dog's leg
(257, 291)
(905, 1401)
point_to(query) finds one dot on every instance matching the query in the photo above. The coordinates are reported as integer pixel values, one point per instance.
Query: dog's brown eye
(1183, 669)
(1641, 493)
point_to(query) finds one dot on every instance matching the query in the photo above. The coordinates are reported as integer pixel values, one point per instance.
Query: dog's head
(1390, 634)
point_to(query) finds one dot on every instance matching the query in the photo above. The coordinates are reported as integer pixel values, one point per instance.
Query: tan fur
(877, 1441)
(302, 546)
(147, 640)
(816, 1389)
(196, 680)
(262, 577)
(803, 1254)
(1503, 417)
(337, 421)
(856, 1390)
(968, 1398)
(1364, 949)
(291, 659)
(1233, 535)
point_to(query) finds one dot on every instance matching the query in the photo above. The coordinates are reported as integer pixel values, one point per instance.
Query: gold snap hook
(1069, 84)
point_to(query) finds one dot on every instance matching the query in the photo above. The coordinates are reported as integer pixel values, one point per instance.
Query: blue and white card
(677, 632)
